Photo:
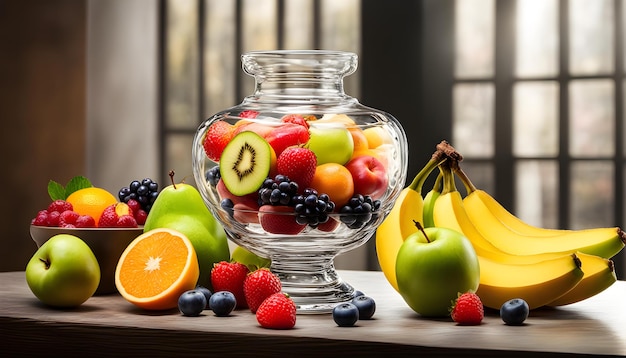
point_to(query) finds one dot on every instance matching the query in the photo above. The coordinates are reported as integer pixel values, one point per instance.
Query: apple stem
(421, 228)
(46, 262)
(171, 174)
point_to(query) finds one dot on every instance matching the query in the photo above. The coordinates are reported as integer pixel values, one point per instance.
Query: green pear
(180, 207)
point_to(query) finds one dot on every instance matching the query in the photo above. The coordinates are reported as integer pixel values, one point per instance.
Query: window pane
(182, 64)
(220, 60)
(474, 34)
(178, 158)
(258, 32)
(481, 174)
(536, 192)
(473, 122)
(341, 30)
(537, 43)
(535, 119)
(298, 22)
(591, 36)
(592, 194)
(592, 119)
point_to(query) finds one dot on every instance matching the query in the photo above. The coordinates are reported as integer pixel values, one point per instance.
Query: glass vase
(300, 111)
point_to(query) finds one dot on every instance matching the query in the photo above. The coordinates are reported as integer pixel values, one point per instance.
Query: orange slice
(91, 201)
(156, 268)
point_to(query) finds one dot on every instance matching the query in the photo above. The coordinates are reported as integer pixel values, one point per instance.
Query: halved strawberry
(216, 138)
(277, 219)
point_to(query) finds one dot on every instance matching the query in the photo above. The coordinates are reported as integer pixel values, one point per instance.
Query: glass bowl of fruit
(300, 172)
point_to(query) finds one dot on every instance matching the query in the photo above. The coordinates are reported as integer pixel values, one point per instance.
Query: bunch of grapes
(144, 192)
(312, 208)
(359, 211)
(278, 191)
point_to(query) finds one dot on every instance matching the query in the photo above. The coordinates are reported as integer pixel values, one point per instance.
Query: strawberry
(259, 285)
(298, 164)
(229, 276)
(117, 215)
(295, 119)
(248, 114)
(287, 135)
(278, 219)
(216, 138)
(278, 311)
(468, 309)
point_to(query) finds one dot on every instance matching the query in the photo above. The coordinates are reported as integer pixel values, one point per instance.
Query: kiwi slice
(245, 163)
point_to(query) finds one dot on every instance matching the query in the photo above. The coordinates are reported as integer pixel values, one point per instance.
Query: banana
(538, 284)
(603, 242)
(599, 274)
(449, 212)
(400, 222)
(429, 202)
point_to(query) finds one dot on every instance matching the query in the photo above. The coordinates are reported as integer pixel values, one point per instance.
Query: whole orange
(91, 201)
(335, 180)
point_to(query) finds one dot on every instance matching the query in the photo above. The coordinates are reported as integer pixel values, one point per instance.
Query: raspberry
(68, 218)
(60, 206)
(133, 205)
(230, 276)
(258, 286)
(85, 221)
(41, 219)
(468, 309)
(216, 138)
(141, 216)
(53, 218)
(126, 221)
(277, 312)
(298, 164)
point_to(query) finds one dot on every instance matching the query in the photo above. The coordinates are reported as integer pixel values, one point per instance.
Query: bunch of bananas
(545, 267)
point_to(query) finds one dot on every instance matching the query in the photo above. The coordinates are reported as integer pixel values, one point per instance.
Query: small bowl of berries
(106, 223)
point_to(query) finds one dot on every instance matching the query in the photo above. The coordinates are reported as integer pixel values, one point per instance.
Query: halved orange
(156, 268)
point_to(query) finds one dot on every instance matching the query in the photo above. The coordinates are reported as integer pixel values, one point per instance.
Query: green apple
(331, 142)
(180, 207)
(433, 266)
(250, 259)
(63, 272)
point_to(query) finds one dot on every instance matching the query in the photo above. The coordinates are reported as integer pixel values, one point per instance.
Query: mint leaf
(56, 191)
(77, 183)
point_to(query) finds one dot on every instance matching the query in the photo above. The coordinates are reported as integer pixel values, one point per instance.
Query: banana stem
(449, 185)
(469, 186)
(418, 182)
(437, 187)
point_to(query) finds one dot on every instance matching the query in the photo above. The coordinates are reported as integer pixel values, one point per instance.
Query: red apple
(369, 175)
(245, 207)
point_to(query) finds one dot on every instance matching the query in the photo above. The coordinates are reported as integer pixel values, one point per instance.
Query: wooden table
(109, 325)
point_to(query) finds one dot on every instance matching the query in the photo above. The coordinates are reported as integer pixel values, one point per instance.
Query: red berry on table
(298, 164)
(230, 276)
(259, 285)
(468, 309)
(216, 138)
(274, 220)
(277, 312)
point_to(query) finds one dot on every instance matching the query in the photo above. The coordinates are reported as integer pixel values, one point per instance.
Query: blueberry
(366, 306)
(345, 314)
(207, 294)
(222, 303)
(358, 293)
(191, 303)
(514, 312)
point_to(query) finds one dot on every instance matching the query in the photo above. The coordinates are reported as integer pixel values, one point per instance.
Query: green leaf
(56, 191)
(77, 183)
